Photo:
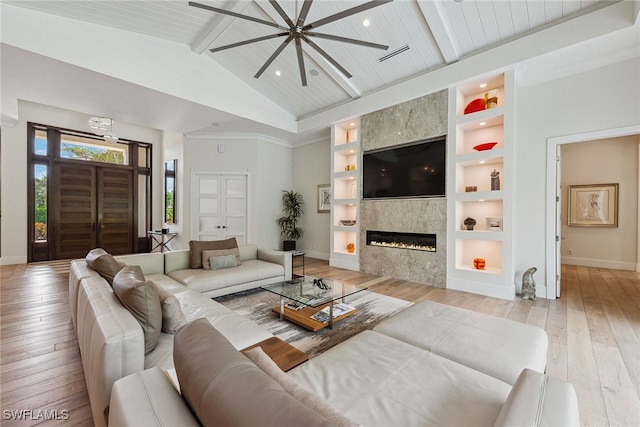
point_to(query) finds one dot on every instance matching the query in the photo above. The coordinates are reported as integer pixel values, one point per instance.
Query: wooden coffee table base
(284, 354)
(303, 317)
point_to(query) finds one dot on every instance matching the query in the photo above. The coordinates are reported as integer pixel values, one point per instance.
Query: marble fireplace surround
(414, 120)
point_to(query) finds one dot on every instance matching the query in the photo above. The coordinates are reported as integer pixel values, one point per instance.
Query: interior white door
(558, 219)
(218, 207)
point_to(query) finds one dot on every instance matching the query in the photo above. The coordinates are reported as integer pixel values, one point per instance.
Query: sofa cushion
(147, 398)
(197, 246)
(223, 387)
(307, 397)
(214, 253)
(104, 263)
(249, 271)
(377, 380)
(141, 299)
(172, 316)
(496, 346)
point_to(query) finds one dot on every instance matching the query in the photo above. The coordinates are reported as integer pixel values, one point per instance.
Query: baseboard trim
(11, 260)
(600, 263)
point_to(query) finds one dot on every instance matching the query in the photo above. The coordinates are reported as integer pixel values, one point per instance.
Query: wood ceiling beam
(434, 15)
(208, 36)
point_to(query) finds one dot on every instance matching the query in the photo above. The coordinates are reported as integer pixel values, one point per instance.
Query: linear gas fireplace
(392, 239)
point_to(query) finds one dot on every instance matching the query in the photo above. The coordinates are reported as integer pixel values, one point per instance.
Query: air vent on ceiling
(394, 53)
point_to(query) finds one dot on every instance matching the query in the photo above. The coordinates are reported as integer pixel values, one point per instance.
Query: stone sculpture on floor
(529, 285)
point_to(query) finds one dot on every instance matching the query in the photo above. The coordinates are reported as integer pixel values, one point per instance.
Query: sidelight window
(40, 202)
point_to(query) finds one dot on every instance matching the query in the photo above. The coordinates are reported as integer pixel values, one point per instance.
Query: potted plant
(292, 208)
(470, 223)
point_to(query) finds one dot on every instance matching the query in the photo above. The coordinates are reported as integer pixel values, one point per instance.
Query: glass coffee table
(312, 302)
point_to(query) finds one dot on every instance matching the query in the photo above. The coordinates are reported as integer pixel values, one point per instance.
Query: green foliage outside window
(168, 212)
(41, 208)
(92, 154)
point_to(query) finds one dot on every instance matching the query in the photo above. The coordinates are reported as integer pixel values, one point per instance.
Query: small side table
(284, 354)
(161, 240)
(294, 255)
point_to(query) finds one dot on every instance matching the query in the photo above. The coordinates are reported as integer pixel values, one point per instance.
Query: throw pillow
(104, 263)
(172, 315)
(141, 299)
(223, 261)
(224, 388)
(197, 246)
(206, 256)
(305, 396)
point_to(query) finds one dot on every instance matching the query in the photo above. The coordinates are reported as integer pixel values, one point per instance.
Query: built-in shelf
(472, 192)
(345, 191)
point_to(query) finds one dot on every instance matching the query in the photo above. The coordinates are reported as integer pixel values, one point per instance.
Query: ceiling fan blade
(326, 56)
(273, 57)
(236, 15)
(304, 12)
(345, 13)
(282, 13)
(303, 75)
(346, 40)
(242, 43)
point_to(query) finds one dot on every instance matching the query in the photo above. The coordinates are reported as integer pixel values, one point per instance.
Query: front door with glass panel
(219, 207)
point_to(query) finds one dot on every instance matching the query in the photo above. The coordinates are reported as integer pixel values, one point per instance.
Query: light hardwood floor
(594, 339)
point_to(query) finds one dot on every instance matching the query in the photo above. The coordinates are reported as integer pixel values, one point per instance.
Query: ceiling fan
(299, 32)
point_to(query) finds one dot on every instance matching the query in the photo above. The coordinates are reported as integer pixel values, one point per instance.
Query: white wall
(603, 98)
(268, 165)
(14, 168)
(600, 162)
(312, 167)
(173, 149)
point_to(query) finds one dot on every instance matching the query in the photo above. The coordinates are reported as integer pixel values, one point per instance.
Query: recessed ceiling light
(314, 72)
(483, 85)
(352, 124)
(278, 73)
(366, 23)
(482, 162)
(483, 123)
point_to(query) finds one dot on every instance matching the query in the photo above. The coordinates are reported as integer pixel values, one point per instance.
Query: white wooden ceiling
(437, 33)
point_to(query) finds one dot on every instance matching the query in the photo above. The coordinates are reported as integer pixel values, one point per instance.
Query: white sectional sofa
(111, 340)
(430, 364)
(371, 379)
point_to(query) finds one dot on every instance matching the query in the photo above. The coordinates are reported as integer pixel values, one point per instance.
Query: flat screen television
(409, 171)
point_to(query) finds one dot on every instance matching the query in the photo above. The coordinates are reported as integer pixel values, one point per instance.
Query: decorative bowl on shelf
(348, 222)
(478, 104)
(485, 146)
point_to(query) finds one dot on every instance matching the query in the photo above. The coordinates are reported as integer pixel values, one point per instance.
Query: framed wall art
(593, 205)
(324, 198)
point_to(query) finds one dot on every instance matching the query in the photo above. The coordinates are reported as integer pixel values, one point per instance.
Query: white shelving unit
(491, 240)
(345, 194)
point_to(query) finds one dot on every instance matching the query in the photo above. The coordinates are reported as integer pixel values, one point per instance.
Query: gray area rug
(256, 305)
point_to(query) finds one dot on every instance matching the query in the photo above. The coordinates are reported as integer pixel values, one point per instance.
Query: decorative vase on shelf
(495, 180)
(469, 223)
(479, 263)
(351, 248)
